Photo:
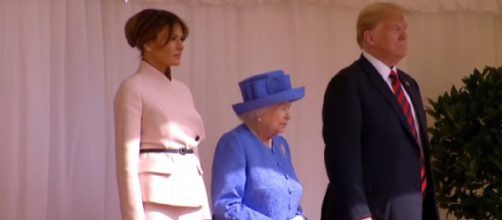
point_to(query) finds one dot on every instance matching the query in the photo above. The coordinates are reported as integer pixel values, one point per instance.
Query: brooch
(283, 150)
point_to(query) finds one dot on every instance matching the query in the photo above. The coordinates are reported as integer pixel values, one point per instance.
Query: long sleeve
(342, 122)
(299, 210)
(228, 182)
(128, 108)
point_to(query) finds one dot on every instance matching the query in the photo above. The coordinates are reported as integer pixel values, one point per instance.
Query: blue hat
(266, 89)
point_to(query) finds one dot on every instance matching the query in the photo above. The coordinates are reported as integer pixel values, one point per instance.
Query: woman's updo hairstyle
(145, 25)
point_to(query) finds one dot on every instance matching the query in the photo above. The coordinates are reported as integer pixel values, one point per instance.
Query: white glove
(298, 217)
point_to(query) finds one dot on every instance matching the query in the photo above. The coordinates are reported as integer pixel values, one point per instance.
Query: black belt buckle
(183, 151)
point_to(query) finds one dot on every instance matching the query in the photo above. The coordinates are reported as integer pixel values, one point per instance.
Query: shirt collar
(382, 69)
(145, 67)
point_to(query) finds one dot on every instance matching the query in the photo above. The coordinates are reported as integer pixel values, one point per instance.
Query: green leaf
(466, 141)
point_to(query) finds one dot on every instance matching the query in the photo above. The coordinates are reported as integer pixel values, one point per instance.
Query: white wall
(61, 62)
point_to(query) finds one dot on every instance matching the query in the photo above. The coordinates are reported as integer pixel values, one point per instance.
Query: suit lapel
(376, 79)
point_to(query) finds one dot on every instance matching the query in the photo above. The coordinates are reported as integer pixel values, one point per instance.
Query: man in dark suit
(377, 152)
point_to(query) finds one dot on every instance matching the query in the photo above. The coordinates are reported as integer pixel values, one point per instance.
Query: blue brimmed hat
(266, 89)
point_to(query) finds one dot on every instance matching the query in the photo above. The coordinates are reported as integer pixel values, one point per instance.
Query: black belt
(181, 151)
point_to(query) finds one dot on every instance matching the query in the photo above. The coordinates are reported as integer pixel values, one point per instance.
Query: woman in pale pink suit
(157, 127)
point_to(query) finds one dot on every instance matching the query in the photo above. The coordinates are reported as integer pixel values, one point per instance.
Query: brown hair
(145, 25)
(374, 13)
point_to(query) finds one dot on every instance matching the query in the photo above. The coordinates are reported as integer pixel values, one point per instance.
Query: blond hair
(374, 13)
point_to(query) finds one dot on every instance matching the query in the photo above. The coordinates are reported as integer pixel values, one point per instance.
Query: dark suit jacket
(371, 157)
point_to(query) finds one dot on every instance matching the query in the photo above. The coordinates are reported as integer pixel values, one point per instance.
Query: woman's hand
(298, 217)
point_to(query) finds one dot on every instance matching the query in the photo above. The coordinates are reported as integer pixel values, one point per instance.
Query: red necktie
(406, 107)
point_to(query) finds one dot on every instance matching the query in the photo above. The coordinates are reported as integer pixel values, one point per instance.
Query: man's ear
(368, 38)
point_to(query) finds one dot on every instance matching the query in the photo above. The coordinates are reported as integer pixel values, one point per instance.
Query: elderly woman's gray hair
(252, 116)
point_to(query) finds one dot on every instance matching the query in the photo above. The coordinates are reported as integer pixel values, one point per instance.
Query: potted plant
(466, 141)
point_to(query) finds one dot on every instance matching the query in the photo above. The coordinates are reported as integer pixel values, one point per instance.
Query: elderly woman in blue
(253, 177)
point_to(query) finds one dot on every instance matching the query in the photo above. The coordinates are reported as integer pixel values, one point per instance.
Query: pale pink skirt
(155, 211)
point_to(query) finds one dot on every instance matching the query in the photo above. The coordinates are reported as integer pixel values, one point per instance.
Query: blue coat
(252, 181)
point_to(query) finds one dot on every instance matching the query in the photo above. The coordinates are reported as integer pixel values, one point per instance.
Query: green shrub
(466, 141)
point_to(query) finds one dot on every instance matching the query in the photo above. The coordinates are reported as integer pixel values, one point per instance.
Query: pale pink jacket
(152, 111)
